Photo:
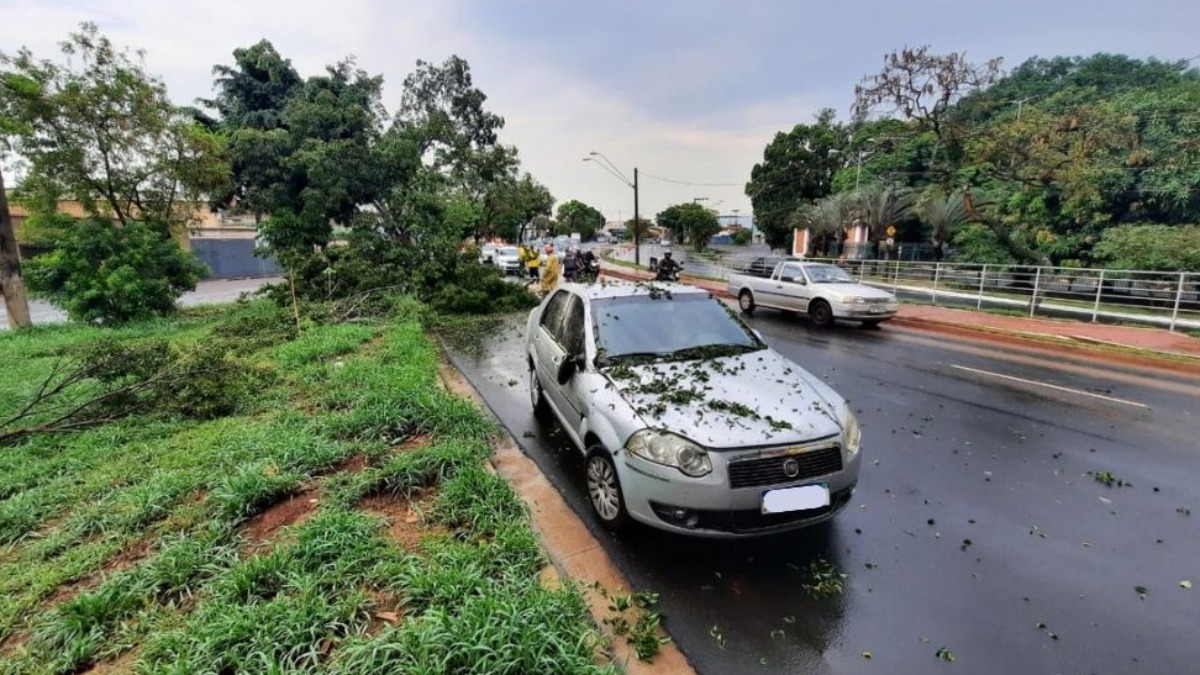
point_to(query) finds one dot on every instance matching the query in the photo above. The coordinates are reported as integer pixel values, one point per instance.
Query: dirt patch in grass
(261, 529)
(126, 558)
(121, 664)
(413, 442)
(11, 644)
(354, 464)
(387, 610)
(404, 518)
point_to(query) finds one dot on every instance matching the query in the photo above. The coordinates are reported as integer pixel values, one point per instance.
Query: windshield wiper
(635, 356)
(713, 351)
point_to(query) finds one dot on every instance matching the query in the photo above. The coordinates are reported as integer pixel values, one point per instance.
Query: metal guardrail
(1164, 299)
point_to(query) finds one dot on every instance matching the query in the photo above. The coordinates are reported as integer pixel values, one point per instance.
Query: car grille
(770, 470)
(878, 301)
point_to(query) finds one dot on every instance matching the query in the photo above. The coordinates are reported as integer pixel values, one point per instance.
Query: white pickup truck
(822, 291)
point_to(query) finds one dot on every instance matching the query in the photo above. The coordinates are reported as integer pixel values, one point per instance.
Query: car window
(827, 274)
(791, 270)
(572, 330)
(663, 327)
(552, 314)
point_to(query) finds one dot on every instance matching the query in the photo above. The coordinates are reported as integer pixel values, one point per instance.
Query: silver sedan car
(688, 421)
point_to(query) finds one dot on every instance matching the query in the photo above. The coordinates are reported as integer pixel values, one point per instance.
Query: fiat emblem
(791, 468)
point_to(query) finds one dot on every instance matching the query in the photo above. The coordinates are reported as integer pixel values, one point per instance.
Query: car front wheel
(746, 301)
(604, 490)
(820, 312)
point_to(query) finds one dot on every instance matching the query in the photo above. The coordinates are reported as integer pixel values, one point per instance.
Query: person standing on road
(529, 258)
(550, 271)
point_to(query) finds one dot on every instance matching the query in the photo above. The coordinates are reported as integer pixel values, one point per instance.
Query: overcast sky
(688, 90)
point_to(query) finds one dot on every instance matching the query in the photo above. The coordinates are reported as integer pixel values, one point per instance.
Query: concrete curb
(572, 550)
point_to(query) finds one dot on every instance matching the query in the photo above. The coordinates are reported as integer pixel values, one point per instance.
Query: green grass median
(340, 520)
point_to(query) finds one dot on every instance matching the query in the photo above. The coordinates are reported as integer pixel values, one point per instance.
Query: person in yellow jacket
(529, 258)
(550, 272)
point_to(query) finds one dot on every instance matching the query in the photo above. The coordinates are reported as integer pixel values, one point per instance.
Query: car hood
(855, 290)
(755, 399)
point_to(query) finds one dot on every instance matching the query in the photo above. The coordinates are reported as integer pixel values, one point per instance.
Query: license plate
(795, 499)
(876, 310)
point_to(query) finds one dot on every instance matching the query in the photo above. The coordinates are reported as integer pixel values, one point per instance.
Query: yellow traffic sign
(891, 231)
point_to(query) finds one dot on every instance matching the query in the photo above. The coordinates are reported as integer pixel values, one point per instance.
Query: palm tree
(944, 214)
(827, 217)
(877, 206)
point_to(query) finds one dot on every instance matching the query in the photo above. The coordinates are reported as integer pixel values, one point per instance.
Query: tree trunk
(11, 285)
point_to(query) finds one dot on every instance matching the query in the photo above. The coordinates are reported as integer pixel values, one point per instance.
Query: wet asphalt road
(976, 527)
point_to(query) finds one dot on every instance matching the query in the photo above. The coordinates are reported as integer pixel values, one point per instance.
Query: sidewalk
(1158, 342)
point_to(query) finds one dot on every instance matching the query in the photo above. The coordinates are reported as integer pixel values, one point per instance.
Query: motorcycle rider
(570, 264)
(668, 269)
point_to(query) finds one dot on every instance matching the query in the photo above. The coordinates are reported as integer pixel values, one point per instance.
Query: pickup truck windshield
(827, 274)
(681, 327)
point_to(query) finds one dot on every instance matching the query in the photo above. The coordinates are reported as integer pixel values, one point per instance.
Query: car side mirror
(569, 366)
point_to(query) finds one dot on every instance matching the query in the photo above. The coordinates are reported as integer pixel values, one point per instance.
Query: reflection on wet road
(979, 525)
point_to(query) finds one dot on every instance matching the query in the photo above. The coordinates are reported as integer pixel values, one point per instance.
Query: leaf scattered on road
(1185, 584)
(944, 654)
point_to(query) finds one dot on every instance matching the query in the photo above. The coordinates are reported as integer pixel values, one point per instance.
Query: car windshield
(508, 251)
(827, 274)
(679, 327)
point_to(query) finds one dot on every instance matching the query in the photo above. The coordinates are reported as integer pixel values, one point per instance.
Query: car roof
(624, 289)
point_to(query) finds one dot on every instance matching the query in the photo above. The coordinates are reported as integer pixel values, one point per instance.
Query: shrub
(742, 237)
(99, 271)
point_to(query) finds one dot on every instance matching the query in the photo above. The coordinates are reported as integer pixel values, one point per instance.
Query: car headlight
(854, 300)
(851, 432)
(665, 448)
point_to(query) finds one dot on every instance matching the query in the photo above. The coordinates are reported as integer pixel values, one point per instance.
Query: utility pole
(608, 166)
(11, 285)
(637, 223)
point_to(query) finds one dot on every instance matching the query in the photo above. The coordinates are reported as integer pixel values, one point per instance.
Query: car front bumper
(663, 498)
(865, 312)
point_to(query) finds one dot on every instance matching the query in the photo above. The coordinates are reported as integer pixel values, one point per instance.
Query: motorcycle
(589, 272)
(668, 273)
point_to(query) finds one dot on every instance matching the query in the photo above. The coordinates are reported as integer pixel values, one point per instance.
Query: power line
(689, 183)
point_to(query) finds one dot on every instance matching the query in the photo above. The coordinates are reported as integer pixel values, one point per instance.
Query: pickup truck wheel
(820, 312)
(746, 301)
(604, 489)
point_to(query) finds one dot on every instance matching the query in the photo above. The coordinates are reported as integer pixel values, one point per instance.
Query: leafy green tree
(510, 205)
(641, 226)
(1150, 247)
(797, 168)
(250, 99)
(691, 222)
(575, 216)
(742, 237)
(104, 271)
(98, 128)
